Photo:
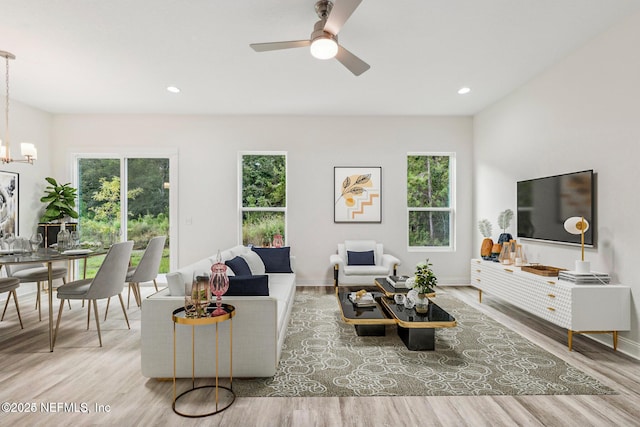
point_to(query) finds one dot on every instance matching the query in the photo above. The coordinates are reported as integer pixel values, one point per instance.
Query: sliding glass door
(124, 198)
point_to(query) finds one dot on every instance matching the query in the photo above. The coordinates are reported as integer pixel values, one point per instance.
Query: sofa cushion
(360, 258)
(248, 286)
(239, 250)
(366, 270)
(282, 288)
(239, 266)
(276, 260)
(177, 280)
(255, 262)
(361, 246)
(225, 255)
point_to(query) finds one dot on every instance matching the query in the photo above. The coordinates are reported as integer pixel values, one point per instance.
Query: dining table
(48, 256)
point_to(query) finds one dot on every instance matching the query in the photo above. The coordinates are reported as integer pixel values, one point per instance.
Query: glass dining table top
(46, 255)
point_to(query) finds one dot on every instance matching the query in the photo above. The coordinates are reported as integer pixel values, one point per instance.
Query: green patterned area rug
(323, 356)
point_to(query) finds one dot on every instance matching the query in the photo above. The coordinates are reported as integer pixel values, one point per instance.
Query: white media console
(581, 309)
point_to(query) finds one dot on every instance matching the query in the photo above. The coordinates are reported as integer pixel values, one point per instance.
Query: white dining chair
(145, 271)
(147, 268)
(36, 273)
(108, 281)
(9, 285)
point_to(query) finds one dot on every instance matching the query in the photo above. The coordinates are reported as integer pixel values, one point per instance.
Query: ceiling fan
(324, 38)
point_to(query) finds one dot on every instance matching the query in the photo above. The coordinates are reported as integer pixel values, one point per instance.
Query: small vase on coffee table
(422, 304)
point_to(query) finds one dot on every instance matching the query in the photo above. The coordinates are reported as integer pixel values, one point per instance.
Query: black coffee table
(368, 321)
(416, 330)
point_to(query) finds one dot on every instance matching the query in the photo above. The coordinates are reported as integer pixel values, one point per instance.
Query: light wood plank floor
(80, 372)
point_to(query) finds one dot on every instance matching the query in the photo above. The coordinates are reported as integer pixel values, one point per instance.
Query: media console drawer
(577, 308)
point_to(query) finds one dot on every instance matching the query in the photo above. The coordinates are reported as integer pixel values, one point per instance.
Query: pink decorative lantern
(278, 242)
(219, 283)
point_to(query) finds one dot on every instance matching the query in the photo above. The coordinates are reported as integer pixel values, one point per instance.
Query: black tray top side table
(179, 317)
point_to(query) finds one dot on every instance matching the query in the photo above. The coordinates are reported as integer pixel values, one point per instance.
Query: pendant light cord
(6, 110)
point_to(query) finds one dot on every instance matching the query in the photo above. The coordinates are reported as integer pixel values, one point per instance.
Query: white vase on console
(583, 267)
(579, 225)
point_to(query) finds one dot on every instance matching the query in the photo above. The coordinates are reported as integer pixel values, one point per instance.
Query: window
(263, 197)
(430, 200)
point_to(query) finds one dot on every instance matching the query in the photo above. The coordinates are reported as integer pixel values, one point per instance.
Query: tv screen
(545, 203)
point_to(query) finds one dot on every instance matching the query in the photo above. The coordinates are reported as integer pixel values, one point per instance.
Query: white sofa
(345, 274)
(259, 328)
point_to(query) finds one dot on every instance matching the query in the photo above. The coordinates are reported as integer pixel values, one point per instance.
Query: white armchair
(359, 262)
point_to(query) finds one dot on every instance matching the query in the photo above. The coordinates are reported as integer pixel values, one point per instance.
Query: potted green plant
(60, 200)
(421, 285)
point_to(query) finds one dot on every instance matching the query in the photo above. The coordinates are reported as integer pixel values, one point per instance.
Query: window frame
(451, 208)
(242, 209)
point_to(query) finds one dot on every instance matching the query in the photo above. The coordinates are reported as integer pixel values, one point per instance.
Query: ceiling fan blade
(263, 47)
(354, 64)
(341, 11)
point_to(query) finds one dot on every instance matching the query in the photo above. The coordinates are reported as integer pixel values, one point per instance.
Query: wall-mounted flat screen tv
(545, 203)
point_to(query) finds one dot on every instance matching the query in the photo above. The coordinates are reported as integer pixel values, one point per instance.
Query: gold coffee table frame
(179, 317)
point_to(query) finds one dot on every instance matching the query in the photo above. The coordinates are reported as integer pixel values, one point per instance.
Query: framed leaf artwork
(357, 194)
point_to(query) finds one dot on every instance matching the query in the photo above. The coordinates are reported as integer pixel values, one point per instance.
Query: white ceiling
(118, 56)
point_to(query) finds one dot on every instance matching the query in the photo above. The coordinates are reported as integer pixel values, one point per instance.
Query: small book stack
(362, 299)
(398, 281)
(592, 278)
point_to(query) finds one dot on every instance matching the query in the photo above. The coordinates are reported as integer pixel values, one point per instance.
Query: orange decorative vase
(485, 249)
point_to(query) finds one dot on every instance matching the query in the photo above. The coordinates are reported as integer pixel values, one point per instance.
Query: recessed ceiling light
(173, 89)
(463, 90)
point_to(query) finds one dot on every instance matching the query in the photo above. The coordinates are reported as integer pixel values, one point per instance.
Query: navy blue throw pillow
(239, 266)
(248, 286)
(360, 258)
(276, 260)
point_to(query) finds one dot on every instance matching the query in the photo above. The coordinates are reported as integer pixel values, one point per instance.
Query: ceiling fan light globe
(324, 48)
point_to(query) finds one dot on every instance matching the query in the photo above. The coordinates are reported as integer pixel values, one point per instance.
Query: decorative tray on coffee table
(543, 270)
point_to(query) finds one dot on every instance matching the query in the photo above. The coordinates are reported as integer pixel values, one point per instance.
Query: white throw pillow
(174, 282)
(255, 262)
(177, 280)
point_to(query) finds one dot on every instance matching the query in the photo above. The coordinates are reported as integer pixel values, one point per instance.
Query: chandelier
(28, 150)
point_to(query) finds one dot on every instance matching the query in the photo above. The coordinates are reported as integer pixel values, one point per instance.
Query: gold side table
(179, 317)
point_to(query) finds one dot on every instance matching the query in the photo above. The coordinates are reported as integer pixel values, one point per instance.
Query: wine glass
(10, 239)
(75, 239)
(189, 305)
(35, 240)
(200, 292)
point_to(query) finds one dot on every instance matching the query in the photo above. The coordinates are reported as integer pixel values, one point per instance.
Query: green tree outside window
(264, 198)
(429, 206)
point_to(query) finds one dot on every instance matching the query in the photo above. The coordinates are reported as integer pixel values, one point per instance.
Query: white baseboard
(625, 345)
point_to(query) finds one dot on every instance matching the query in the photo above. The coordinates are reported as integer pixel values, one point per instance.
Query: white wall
(207, 190)
(581, 114)
(27, 124)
